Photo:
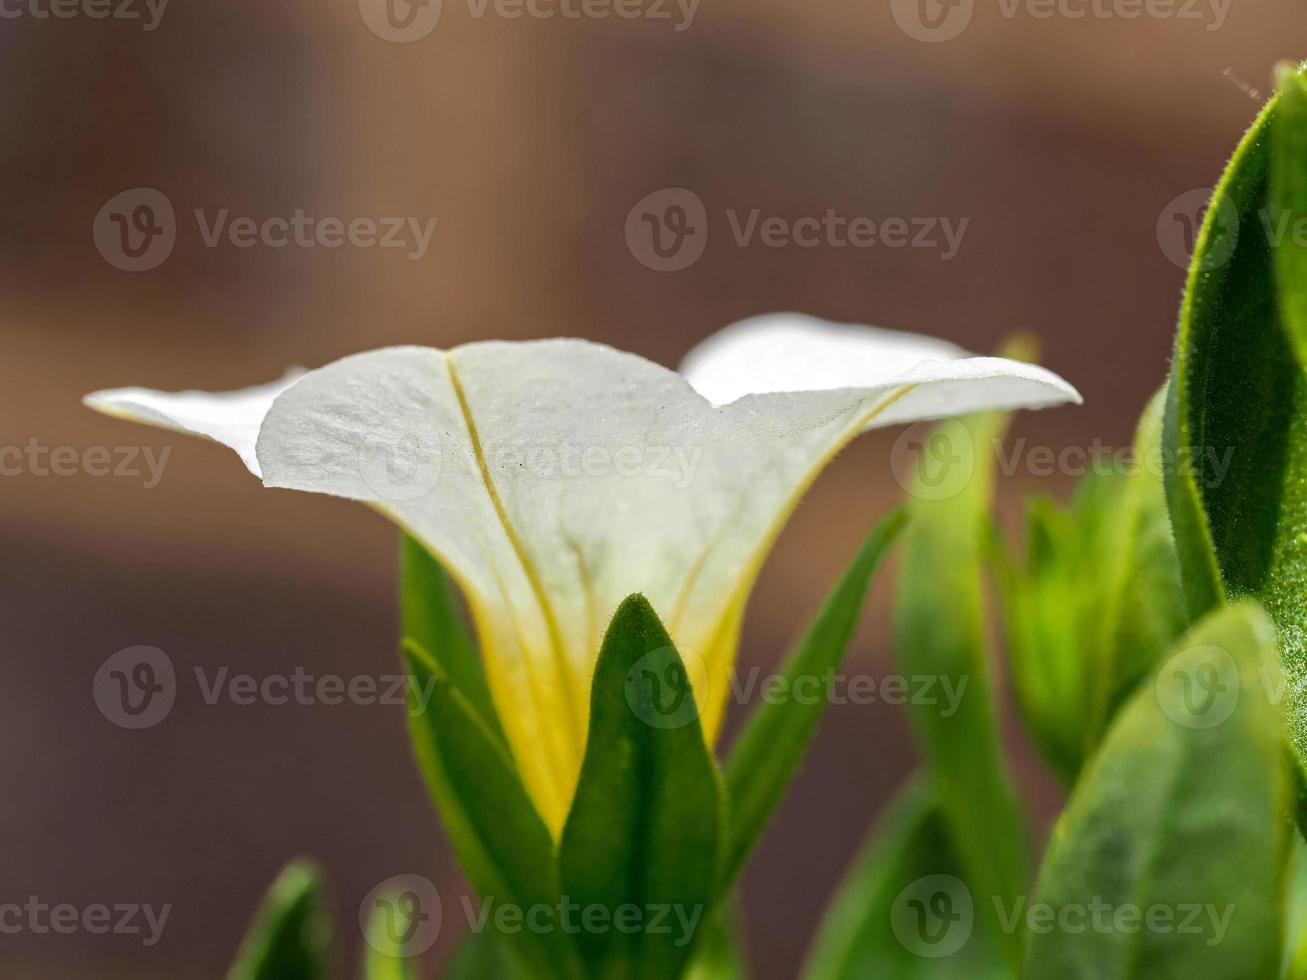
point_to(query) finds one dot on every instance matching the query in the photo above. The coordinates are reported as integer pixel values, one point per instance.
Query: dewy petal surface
(556, 477)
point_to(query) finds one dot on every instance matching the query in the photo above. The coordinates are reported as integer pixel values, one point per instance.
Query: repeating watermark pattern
(933, 916)
(1105, 918)
(667, 231)
(402, 916)
(136, 231)
(36, 459)
(147, 13)
(660, 688)
(408, 908)
(406, 21)
(36, 917)
(1181, 222)
(407, 464)
(935, 461)
(1199, 687)
(137, 688)
(936, 21)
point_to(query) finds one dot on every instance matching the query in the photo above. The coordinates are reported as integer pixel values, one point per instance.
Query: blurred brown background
(1062, 139)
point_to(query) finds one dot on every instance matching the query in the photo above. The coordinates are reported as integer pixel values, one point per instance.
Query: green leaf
(431, 618)
(1295, 916)
(385, 956)
(1095, 601)
(885, 920)
(1237, 407)
(497, 833)
(1289, 206)
(483, 956)
(721, 951)
(643, 831)
(1182, 813)
(940, 632)
(770, 748)
(290, 938)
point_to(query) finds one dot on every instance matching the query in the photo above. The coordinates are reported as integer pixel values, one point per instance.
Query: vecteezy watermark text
(137, 688)
(36, 459)
(97, 919)
(148, 12)
(406, 21)
(667, 231)
(136, 230)
(935, 21)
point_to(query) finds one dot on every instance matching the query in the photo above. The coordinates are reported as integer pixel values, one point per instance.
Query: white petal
(554, 478)
(791, 352)
(232, 418)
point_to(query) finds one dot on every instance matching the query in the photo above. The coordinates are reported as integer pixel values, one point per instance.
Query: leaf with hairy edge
(643, 832)
(499, 837)
(770, 748)
(290, 938)
(1180, 820)
(431, 618)
(940, 632)
(1237, 405)
(903, 912)
(1289, 207)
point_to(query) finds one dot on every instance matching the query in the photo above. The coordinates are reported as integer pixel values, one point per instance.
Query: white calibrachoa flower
(553, 478)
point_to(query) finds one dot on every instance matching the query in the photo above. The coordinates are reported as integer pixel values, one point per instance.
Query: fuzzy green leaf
(770, 748)
(497, 833)
(1237, 408)
(1178, 821)
(290, 938)
(431, 618)
(940, 632)
(1288, 214)
(903, 912)
(643, 832)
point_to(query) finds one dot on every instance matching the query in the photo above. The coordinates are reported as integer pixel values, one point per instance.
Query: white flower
(553, 478)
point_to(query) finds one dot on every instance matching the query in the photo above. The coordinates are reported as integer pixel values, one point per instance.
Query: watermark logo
(401, 466)
(1199, 687)
(933, 916)
(136, 687)
(932, 21)
(136, 230)
(40, 918)
(660, 687)
(1179, 225)
(401, 916)
(400, 21)
(667, 230)
(933, 461)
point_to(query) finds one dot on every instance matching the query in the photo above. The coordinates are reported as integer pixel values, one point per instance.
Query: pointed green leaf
(1236, 421)
(1093, 604)
(903, 911)
(940, 632)
(497, 833)
(643, 831)
(385, 956)
(721, 951)
(1178, 821)
(768, 751)
(290, 938)
(1289, 207)
(430, 617)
